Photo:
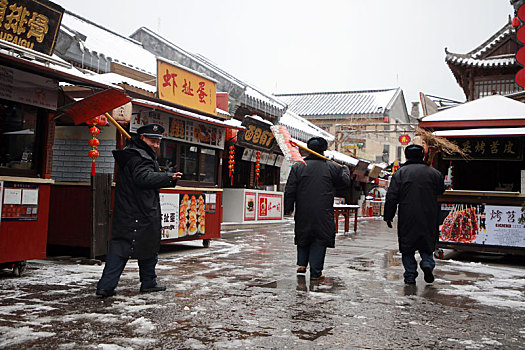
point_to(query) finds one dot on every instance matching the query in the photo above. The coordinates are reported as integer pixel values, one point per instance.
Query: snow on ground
(499, 286)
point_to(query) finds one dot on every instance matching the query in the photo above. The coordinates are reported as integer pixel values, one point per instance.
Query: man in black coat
(137, 225)
(310, 187)
(414, 189)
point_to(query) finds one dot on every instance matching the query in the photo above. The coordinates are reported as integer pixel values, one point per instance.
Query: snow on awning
(183, 113)
(493, 110)
(481, 132)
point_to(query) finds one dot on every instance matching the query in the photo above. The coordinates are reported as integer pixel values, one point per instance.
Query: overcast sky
(291, 46)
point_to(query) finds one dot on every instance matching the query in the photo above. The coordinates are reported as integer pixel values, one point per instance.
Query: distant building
(367, 124)
(490, 68)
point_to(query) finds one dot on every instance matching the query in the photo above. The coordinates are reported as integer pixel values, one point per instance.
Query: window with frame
(20, 127)
(487, 87)
(196, 163)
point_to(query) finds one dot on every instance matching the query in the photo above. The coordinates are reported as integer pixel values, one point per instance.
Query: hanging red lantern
(516, 22)
(257, 166)
(94, 142)
(231, 162)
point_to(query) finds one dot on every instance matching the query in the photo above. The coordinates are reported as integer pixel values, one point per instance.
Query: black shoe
(156, 288)
(429, 277)
(103, 293)
(407, 281)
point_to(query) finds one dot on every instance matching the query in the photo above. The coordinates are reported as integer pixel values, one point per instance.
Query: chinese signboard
(182, 215)
(257, 134)
(181, 129)
(31, 89)
(490, 148)
(33, 24)
(20, 201)
(180, 86)
(404, 139)
(482, 224)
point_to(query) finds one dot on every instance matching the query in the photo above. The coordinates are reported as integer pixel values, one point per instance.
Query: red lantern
(94, 142)
(231, 163)
(516, 22)
(257, 166)
(404, 139)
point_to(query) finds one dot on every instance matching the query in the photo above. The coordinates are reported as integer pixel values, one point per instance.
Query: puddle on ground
(303, 284)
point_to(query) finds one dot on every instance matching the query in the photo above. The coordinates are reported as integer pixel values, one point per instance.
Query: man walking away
(136, 228)
(310, 188)
(414, 189)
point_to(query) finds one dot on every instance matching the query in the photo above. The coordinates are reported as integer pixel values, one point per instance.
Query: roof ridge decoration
(477, 53)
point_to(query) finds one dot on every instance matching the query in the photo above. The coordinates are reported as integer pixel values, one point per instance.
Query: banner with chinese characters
(181, 129)
(493, 225)
(257, 134)
(32, 24)
(181, 86)
(489, 148)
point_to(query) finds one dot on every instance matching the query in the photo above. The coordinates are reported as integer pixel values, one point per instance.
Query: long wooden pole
(117, 125)
(314, 152)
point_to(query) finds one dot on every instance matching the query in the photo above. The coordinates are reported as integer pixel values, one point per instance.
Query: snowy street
(243, 293)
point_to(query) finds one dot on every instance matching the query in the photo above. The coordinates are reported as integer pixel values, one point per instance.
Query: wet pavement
(243, 293)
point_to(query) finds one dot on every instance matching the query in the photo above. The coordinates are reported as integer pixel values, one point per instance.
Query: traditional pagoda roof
(484, 55)
(369, 103)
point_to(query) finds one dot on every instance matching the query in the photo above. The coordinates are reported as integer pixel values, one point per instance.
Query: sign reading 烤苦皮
(489, 148)
(32, 24)
(183, 87)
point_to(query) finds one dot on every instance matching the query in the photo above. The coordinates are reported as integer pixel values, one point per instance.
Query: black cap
(414, 152)
(317, 144)
(152, 131)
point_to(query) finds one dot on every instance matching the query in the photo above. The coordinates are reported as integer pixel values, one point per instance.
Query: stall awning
(183, 113)
(63, 72)
(94, 105)
(490, 111)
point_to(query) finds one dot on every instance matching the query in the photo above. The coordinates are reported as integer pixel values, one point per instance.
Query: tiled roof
(341, 104)
(475, 58)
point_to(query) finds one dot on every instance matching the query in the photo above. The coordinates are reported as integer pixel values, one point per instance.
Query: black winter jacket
(310, 188)
(137, 225)
(414, 189)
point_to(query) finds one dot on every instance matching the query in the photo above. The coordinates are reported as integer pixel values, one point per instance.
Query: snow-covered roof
(301, 128)
(477, 57)
(250, 91)
(182, 112)
(102, 41)
(481, 132)
(114, 78)
(495, 107)
(370, 102)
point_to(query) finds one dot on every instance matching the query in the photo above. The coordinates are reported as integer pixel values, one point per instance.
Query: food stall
(254, 160)
(482, 209)
(193, 143)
